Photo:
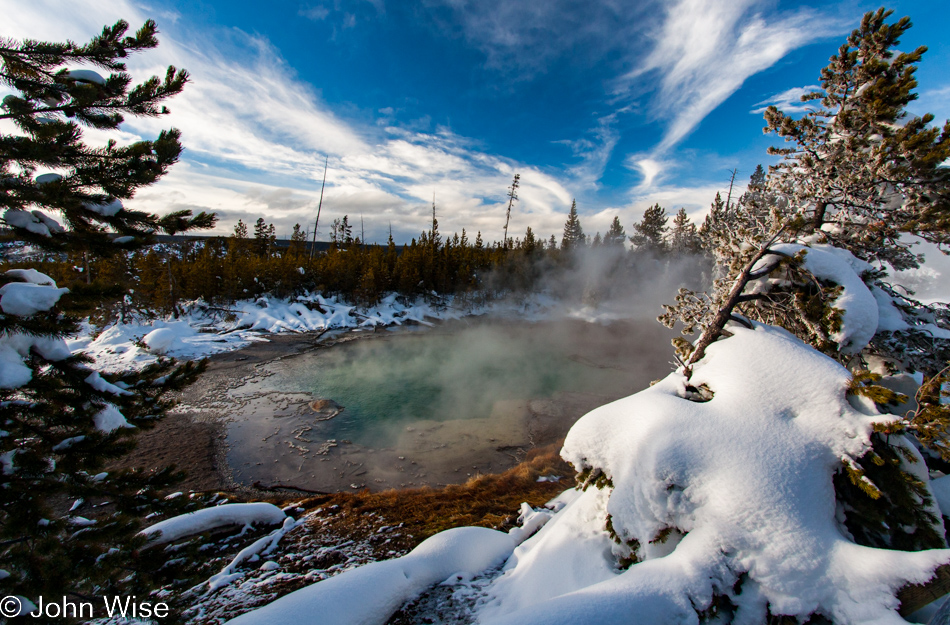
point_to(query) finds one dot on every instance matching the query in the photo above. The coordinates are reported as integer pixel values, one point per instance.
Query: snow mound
(162, 340)
(177, 527)
(371, 593)
(30, 275)
(36, 222)
(730, 497)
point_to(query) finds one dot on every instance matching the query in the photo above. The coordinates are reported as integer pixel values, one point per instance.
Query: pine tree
(62, 419)
(857, 180)
(573, 238)
(262, 238)
(346, 231)
(684, 239)
(240, 230)
(531, 243)
(862, 170)
(298, 241)
(757, 179)
(650, 233)
(615, 235)
(715, 217)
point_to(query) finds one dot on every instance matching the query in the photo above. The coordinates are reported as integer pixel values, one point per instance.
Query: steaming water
(454, 395)
(388, 384)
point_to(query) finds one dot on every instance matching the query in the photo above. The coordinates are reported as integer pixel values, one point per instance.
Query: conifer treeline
(222, 270)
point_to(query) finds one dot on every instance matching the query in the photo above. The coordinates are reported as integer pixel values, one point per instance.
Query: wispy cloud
(683, 58)
(255, 137)
(934, 101)
(521, 38)
(789, 100)
(705, 51)
(317, 13)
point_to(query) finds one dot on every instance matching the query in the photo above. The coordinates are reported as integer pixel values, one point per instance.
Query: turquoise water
(462, 371)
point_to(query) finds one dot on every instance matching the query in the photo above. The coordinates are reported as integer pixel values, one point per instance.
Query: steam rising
(439, 405)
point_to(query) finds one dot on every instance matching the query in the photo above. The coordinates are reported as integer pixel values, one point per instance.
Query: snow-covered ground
(202, 331)
(697, 502)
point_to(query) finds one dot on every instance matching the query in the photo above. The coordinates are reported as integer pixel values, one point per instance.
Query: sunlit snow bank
(373, 592)
(728, 498)
(741, 486)
(199, 333)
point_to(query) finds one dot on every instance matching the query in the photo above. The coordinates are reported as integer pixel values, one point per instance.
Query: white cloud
(650, 169)
(933, 101)
(245, 117)
(789, 101)
(705, 51)
(256, 136)
(699, 52)
(316, 13)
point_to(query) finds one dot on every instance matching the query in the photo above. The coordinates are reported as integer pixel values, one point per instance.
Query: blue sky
(618, 104)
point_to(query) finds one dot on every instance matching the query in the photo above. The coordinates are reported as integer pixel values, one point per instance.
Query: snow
(16, 347)
(110, 419)
(121, 346)
(746, 476)
(265, 545)
(133, 345)
(890, 318)
(48, 178)
(245, 514)
(108, 209)
(371, 593)
(941, 491)
(274, 315)
(66, 444)
(30, 275)
(86, 75)
(96, 381)
(860, 308)
(25, 298)
(161, 340)
(31, 222)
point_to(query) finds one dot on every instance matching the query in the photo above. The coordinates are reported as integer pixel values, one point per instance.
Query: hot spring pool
(433, 406)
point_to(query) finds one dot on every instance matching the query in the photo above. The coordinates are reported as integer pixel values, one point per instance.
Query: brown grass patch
(487, 501)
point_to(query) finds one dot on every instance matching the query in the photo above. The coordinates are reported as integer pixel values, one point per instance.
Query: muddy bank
(194, 441)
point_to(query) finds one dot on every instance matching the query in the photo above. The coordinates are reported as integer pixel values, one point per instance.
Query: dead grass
(487, 501)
